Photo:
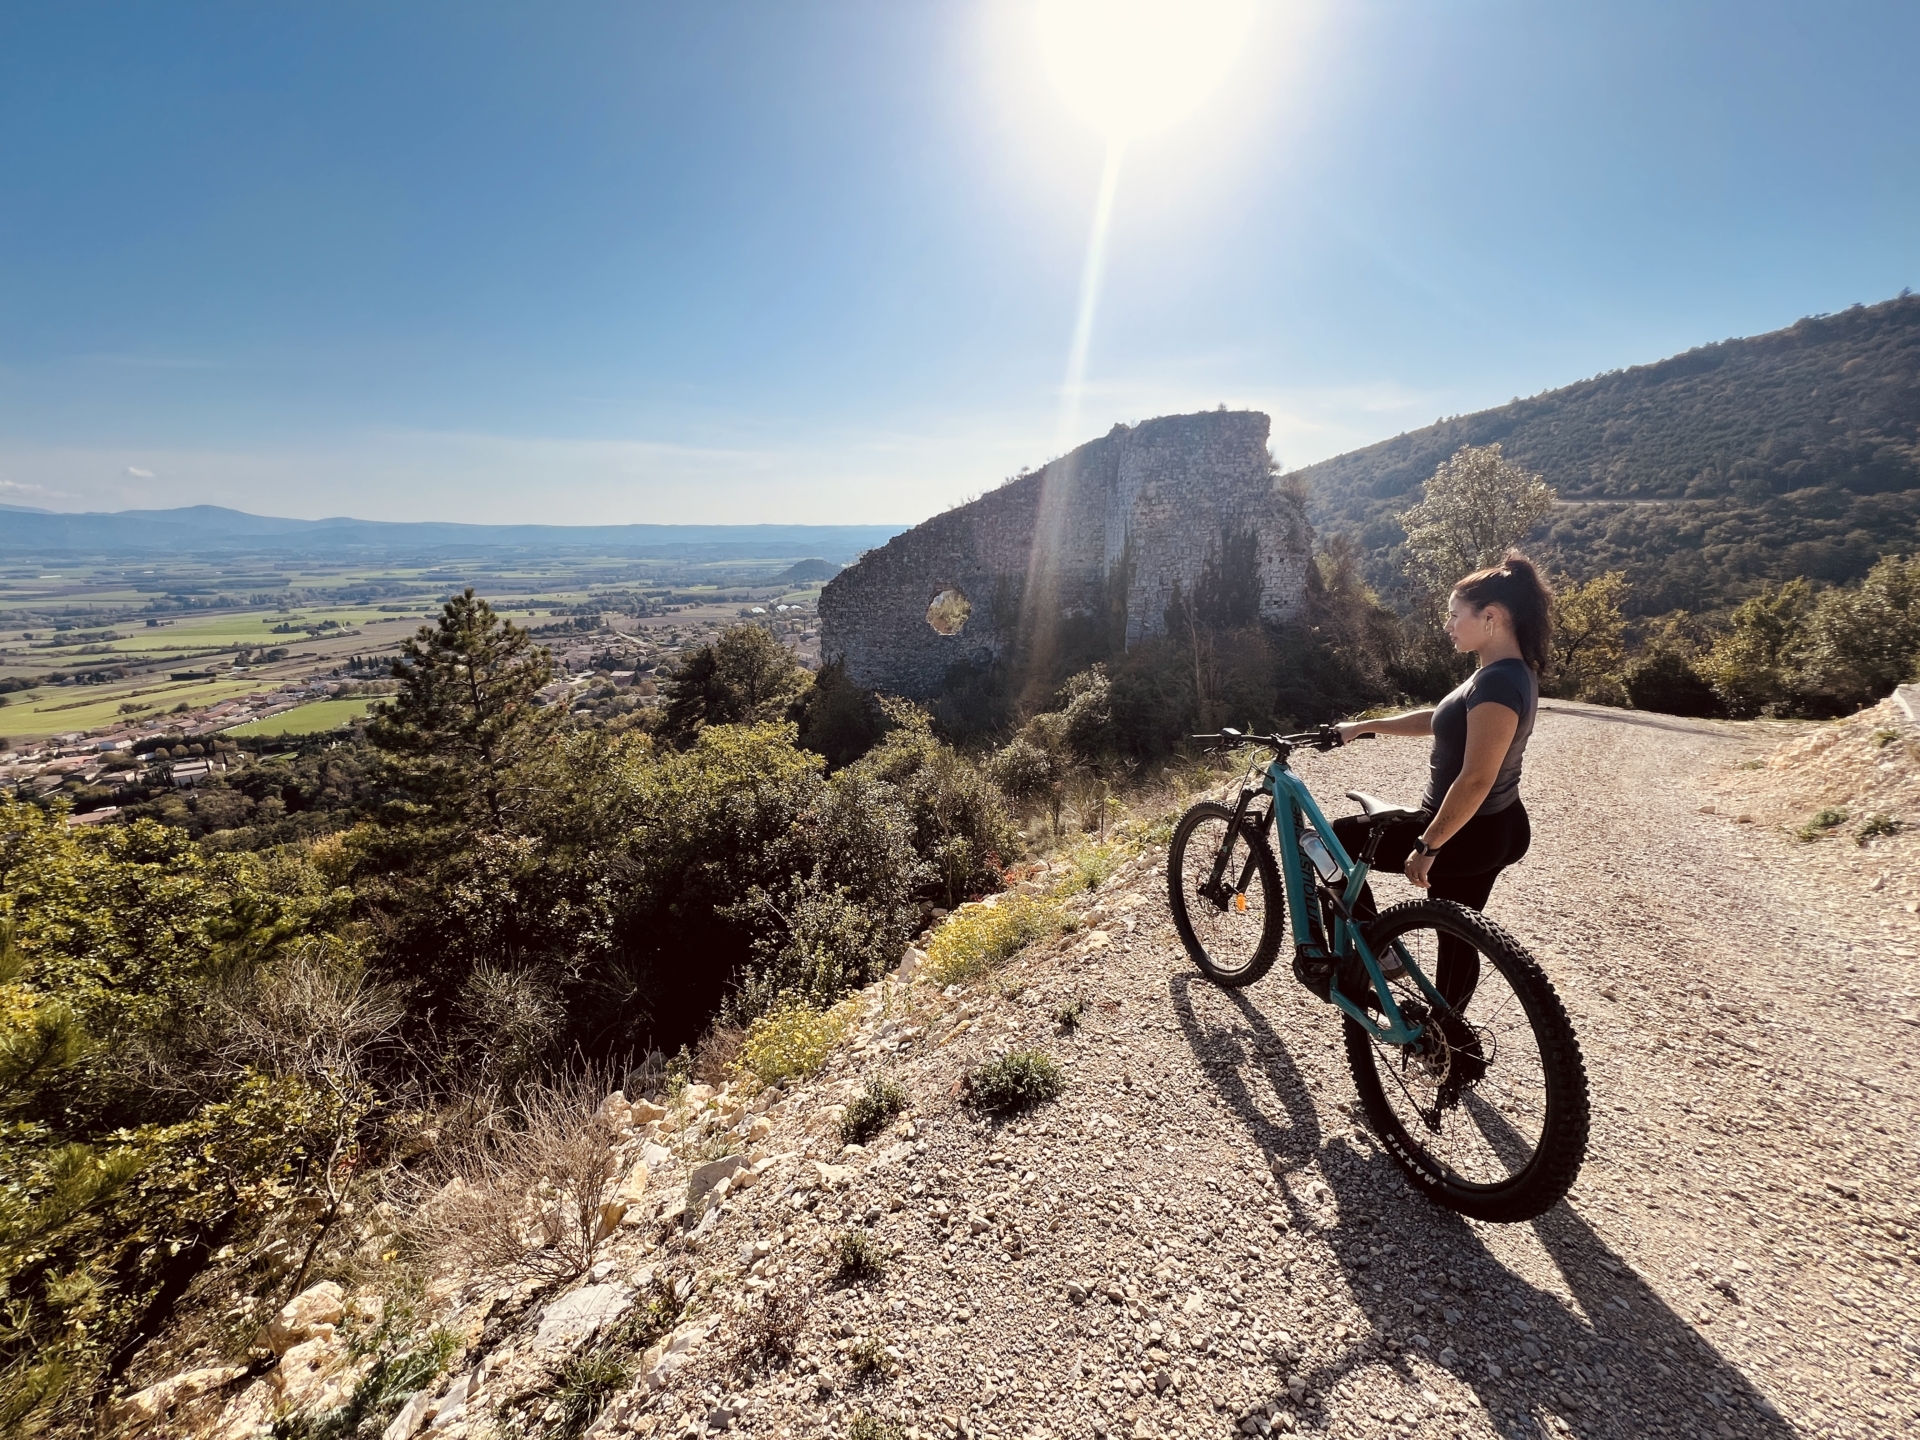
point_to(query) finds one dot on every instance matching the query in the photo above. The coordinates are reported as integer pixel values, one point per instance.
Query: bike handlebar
(1327, 737)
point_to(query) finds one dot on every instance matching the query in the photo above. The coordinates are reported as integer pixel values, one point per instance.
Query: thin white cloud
(137, 473)
(39, 492)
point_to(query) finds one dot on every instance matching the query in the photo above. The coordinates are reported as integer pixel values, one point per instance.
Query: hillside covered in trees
(1703, 477)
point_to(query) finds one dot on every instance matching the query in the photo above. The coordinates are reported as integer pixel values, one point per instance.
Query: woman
(1472, 824)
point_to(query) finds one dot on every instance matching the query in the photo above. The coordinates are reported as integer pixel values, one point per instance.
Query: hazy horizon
(609, 264)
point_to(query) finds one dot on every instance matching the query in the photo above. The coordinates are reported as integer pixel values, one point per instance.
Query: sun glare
(1132, 67)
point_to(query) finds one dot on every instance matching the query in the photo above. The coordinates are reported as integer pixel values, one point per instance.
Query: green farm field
(57, 709)
(315, 719)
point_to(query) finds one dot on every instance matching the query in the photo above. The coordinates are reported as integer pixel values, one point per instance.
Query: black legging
(1464, 870)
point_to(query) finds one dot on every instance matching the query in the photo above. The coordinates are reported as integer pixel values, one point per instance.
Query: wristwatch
(1420, 847)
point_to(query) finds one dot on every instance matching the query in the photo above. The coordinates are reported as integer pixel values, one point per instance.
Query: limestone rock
(151, 1404)
(645, 1112)
(302, 1317)
(633, 1186)
(666, 1357)
(573, 1318)
(608, 1219)
(412, 1416)
(705, 1177)
(314, 1375)
(832, 1177)
(615, 1111)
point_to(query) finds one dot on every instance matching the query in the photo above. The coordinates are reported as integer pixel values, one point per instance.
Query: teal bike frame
(1293, 806)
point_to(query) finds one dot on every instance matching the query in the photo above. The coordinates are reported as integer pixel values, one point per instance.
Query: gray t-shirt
(1504, 682)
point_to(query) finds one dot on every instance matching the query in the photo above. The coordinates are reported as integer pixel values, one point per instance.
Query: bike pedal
(1314, 973)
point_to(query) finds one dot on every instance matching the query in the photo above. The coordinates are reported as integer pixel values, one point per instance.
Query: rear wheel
(1488, 1113)
(1232, 931)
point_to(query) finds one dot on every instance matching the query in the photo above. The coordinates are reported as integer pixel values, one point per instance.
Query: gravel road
(1200, 1239)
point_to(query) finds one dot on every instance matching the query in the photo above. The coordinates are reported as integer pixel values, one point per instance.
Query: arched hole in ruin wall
(949, 611)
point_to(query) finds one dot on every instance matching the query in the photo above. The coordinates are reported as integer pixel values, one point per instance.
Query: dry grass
(523, 1199)
(718, 1050)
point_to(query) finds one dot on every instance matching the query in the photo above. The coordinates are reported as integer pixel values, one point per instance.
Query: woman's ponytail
(1515, 584)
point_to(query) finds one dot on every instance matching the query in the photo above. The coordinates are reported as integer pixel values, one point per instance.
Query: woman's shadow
(1616, 1361)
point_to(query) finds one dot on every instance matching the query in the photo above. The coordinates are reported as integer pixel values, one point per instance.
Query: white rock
(152, 1403)
(452, 1403)
(633, 1185)
(301, 1317)
(705, 1177)
(412, 1415)
(573, 1318)
(615, 1111)
(309, 1376)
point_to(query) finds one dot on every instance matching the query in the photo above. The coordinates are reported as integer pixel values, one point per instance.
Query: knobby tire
(1479, 1122)
(1231, 947)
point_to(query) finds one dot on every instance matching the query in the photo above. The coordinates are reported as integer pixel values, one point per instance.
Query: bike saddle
(1378, 810)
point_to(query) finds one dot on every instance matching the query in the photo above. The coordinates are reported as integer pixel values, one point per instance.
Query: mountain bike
(1470, 1074)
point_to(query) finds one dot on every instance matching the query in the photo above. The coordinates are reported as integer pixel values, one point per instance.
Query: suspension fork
(1212, 889)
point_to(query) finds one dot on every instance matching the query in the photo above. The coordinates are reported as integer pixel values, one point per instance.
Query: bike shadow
(1616, 1360)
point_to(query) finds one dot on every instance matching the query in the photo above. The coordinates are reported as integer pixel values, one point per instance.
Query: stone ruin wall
(1152, 499)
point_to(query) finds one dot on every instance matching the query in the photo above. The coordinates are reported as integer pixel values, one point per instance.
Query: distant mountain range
(1703, 476)
(212, 529)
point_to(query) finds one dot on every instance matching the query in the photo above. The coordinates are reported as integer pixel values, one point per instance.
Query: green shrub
(1090, 866)
(872, 1111)
(391, 1382)
(976, 938)
(865, 1426)
(1015, 1083)
(867, 1358)
(1877, 824)
(1067, 1018)
(789, 1042)
(1822, 822)
(961, 826)
(858, 1258)
(584, 1385)
(1860, 642)
(1754, 665)
(181, 1051)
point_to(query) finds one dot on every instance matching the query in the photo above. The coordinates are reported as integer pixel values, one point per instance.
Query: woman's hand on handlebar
(1352, 730)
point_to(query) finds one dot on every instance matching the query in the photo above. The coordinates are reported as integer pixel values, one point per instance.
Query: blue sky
(762, 262)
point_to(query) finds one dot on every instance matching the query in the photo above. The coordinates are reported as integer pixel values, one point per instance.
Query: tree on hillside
(1477, 504)
(1862, 642)
(467, 714)
(1589, 651)
(838, 719)
(1752, 667)
(746, 677)
(1665, 675)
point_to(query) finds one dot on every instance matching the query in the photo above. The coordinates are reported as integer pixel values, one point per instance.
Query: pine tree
(468, 718)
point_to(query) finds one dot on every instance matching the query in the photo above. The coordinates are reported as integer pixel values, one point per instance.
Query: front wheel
(1232, 930)
(1488, 1113)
